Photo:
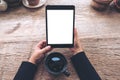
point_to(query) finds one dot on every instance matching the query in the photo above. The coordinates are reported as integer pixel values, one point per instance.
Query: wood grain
(99, 33)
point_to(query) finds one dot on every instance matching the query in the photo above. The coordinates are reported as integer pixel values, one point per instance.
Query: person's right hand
(77, 45)
(39, 52)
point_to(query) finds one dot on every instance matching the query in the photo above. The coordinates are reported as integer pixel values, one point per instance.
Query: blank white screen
(60, 26)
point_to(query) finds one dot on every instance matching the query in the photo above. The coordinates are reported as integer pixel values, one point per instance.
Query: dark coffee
(33, 2)
(56, 62)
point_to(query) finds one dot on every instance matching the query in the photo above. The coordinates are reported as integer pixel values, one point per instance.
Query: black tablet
(60, 25)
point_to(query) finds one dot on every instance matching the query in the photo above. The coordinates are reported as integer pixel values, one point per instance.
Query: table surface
(21, 29)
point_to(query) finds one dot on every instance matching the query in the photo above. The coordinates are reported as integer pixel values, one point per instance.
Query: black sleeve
(26, 71)
(83, 67)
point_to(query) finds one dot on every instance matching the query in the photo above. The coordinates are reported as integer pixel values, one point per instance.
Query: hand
(39, 52)
(77, 45)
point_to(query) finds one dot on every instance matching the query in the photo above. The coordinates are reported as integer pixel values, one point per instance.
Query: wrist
(77, 51)
(31, 60)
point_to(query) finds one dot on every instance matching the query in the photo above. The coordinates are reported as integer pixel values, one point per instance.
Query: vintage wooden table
(99, 32)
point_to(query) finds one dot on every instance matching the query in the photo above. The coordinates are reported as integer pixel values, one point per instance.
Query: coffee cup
(3, 5)
(33, 2)
(56, 64)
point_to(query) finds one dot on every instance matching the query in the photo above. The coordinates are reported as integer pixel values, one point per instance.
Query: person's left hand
(39, 52)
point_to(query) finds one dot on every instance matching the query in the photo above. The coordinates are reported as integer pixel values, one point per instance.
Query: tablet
(60, 25)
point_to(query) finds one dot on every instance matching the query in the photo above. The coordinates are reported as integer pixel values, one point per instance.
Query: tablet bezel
(60, 7)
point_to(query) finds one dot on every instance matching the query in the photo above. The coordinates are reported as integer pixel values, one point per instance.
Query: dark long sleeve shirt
(80, 62)
(83, 67)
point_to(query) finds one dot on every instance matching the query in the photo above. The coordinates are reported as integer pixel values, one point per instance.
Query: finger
(46, 49)
(45, 44)
(41, 43)
(75, 32)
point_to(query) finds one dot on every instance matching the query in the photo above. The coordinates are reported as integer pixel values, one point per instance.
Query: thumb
(46, 49)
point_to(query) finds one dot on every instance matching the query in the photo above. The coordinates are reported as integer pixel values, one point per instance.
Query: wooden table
(99, 32)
